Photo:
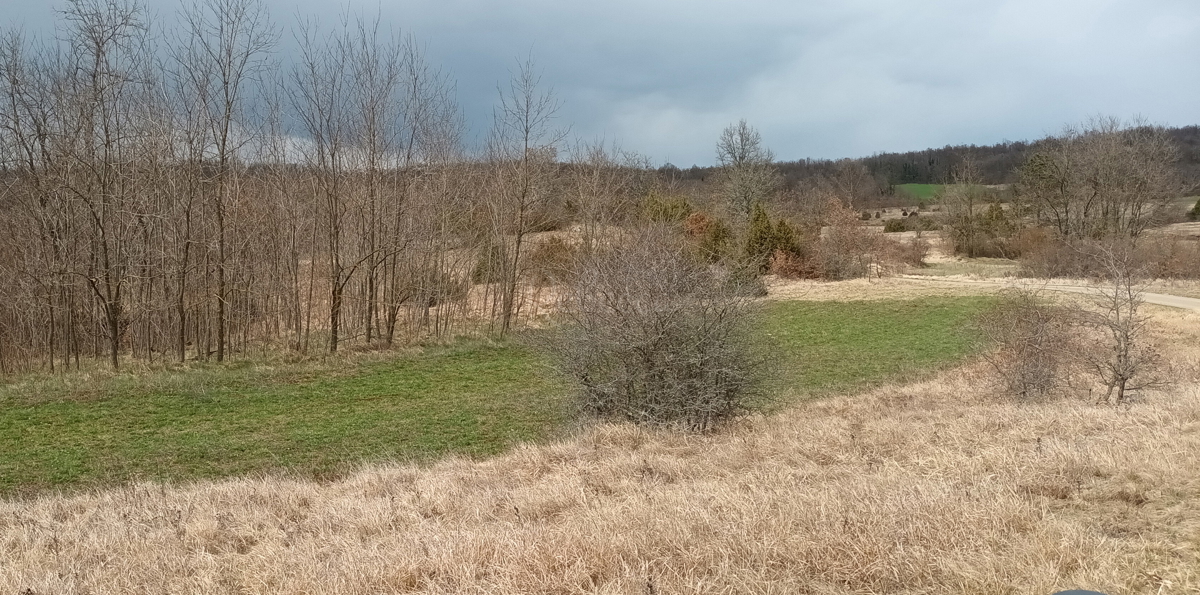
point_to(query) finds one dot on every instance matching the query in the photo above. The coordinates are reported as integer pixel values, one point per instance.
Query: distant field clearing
(921, 192)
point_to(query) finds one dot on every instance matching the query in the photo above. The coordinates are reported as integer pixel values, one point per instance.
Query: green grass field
(828, 347)
(475, 399)
(317, 420)
(921, 192)
(927, 193)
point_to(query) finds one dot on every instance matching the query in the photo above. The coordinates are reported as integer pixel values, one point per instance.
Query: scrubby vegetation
(652, 335)
(1031, 344)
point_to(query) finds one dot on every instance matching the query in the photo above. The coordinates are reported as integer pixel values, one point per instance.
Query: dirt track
(1162, 299)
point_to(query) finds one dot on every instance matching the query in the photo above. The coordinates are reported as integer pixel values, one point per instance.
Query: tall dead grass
(929, 488)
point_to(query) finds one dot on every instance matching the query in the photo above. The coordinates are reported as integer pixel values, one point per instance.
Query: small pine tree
(760, 238)
(1194, 214)
(786, 238)
(996, 225)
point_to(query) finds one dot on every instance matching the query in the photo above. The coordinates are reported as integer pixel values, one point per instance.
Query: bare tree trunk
(522, 147)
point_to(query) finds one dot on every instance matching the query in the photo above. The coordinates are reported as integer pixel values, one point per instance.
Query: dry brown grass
(875, 288)
(1185, 230)
(930, 488)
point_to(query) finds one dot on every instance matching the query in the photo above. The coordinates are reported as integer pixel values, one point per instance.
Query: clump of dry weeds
(920, 489)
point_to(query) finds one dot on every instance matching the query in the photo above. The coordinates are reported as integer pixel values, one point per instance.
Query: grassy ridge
(474, 399)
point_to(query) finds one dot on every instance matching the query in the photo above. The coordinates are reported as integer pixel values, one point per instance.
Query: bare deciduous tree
(522, 150)
(322, 98)
(606, 185)
(1105, 177)
(747, 168)
(106, 94)
(962, 202)
(227, 44)
(847, 249)
(1121, 357)
(853, 182)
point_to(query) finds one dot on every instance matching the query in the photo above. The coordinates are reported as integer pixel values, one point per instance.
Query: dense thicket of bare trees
(84, 139)
(184, 194)
(1106, 177)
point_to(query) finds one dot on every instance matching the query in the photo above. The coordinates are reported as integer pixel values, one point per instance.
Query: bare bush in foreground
(654, 336)
(1108, 330)
(1033, 341)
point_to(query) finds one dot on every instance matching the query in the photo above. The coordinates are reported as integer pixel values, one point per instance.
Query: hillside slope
(932, 487)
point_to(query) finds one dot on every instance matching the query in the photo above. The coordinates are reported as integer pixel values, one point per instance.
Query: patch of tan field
(955, 276)
(1183, 287)
(1190, 229)
(885, 288)
(1176, 333)
(1187, 288)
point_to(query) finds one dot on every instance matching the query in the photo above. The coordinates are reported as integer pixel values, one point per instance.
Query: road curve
(1161, 299)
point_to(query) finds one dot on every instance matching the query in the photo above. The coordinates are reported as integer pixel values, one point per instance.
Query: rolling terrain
(933, 485)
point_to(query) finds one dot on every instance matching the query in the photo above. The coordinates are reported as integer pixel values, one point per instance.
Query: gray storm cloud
(819, 79)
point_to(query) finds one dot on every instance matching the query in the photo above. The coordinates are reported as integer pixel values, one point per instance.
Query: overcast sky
(818, 78)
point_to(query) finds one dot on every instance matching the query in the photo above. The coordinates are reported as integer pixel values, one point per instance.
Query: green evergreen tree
(786, 238)
(760, 238)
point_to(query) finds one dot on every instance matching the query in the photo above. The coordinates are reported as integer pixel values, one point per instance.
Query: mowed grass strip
(824, 347)
(474, 399)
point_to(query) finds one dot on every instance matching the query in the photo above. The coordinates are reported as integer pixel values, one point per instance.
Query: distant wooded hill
(996, 164)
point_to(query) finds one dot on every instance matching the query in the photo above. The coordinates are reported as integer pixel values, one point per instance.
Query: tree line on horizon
(994, 164)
